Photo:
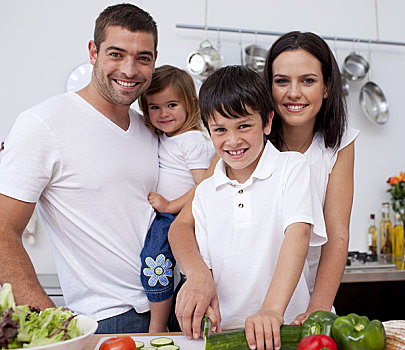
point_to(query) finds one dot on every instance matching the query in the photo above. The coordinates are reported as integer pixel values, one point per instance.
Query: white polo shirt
(240, 230)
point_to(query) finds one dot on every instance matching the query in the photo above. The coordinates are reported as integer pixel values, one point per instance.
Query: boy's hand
(301, 318)
(158, 202)
(263, 330)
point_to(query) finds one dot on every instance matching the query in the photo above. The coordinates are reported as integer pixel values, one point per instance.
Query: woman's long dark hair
(331, 119)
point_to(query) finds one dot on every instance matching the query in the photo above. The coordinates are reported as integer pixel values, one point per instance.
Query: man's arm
(15, 265)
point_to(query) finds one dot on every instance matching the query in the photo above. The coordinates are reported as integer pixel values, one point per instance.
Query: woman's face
(298, 88)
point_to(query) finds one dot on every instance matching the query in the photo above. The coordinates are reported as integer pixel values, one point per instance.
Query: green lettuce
(24, 326)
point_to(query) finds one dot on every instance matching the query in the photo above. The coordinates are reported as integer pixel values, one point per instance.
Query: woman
(310, 118)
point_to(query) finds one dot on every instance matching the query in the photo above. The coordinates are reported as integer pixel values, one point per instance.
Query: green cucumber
(236, 339)
(169, 347)
(148, 348)
(161, 341)
(139, 344)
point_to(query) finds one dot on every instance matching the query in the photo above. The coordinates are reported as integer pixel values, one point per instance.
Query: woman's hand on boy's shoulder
(263, 330)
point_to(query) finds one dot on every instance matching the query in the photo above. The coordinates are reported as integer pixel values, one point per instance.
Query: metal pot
(373, 103)
(355, 67)
(255, 57)
(345, 86)
(204, 60)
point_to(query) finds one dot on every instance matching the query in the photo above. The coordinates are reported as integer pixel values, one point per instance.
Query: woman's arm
(264, 326)
(337, 210)
(198, 294)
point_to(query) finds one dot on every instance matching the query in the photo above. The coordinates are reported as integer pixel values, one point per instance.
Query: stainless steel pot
(373, 103)
(355, 67)
(204, 61)
(255, 57)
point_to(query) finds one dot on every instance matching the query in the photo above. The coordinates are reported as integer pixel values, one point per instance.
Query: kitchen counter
(177, 337)
(372, 272)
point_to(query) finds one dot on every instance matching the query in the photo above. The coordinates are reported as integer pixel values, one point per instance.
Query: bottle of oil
(385, 234)
(398, 242)
(372, 238)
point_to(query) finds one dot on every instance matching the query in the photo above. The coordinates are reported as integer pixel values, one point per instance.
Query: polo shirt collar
(265, 167)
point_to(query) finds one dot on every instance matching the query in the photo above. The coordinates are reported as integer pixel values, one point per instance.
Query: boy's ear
(267, 128)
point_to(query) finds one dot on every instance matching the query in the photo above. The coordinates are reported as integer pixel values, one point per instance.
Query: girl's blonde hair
(182, 82)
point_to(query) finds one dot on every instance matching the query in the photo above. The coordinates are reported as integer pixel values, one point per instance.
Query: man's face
(123, 65)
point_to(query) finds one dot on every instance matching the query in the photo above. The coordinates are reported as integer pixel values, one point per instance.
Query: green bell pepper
(356, 332)
(319, 322)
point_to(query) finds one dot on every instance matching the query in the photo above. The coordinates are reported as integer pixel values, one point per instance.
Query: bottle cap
(372, 216)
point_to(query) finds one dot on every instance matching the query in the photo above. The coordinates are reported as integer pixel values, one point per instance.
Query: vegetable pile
(25, 326)
(322, 330)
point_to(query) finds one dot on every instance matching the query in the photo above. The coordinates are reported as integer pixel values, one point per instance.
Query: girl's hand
(158, 202)
(263, 330)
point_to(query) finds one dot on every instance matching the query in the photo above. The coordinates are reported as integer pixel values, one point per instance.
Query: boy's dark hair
(331, 119)
(231, 90)
(128, 16)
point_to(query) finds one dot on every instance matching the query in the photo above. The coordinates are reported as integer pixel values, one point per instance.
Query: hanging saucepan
(204, 61)
(255, 58)
(372, 100)
(345, 85)
(355, 67)
(373, 103)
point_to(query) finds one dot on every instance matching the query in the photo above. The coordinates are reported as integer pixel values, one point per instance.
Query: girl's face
(298, 88)
(166, 111)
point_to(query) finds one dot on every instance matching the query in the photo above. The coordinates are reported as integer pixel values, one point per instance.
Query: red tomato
(118, 343)
(317, 342)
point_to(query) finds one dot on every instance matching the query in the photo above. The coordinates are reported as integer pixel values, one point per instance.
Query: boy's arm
(337, 209)
(198, 293)
(264, 327)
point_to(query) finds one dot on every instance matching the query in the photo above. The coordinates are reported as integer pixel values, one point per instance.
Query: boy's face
(239, 142)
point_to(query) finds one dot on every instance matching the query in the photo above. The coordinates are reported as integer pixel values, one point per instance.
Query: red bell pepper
(317, 342)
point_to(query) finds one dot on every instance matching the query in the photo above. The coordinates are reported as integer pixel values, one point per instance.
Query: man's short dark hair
(128, 16)
(231, 90)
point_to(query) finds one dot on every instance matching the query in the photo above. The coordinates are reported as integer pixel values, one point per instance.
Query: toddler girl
(170, 107)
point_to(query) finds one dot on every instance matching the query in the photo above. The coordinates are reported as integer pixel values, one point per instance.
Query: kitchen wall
(42, 41)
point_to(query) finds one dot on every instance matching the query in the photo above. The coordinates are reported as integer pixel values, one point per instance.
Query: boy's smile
(239, 142)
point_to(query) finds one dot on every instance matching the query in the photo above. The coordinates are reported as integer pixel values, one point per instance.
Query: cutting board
(179, 340)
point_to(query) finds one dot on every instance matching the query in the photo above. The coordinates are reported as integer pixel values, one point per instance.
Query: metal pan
(255, 58)
(373, 103)
(355, 67)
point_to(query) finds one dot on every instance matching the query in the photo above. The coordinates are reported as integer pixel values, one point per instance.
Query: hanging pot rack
(271, 33)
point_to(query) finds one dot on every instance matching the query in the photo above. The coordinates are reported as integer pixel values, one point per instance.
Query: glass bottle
(398, 242)
(372, 238)
(385, 234)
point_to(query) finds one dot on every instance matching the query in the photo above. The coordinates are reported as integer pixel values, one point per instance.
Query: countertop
(372, 272)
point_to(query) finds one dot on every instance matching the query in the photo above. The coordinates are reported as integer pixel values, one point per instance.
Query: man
(89, 162)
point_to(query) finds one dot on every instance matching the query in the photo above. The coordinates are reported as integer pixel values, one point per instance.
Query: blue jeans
(132, 322)
(128, 322)
(157, 260)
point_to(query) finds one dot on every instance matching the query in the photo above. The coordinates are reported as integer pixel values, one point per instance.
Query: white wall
(42, 41)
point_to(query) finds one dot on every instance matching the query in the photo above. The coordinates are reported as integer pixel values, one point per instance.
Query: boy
(253, 217)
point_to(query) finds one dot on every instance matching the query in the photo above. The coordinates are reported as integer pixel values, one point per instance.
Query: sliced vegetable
(356, 332)
(148, 348)
(118, 343)
(236, 339)
(169, 347)
(319, 322)
(139, 344)
(161, 341)
(317, 342)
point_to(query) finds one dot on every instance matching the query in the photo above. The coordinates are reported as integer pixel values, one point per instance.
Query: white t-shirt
(178, 155)
(91, 180)
(240, 229)
(321, 161)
